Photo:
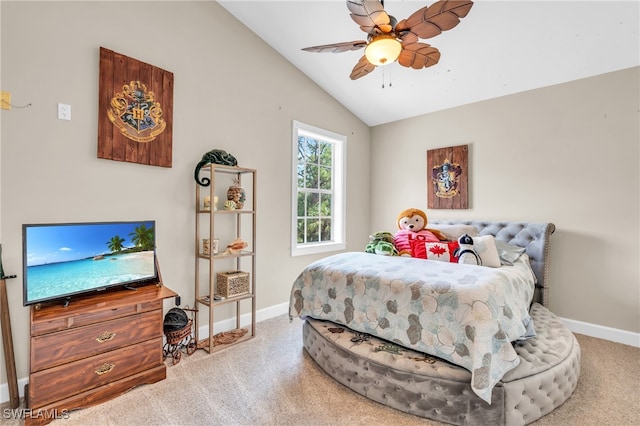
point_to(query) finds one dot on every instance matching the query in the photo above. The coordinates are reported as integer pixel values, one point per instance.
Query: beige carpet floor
(270, 380)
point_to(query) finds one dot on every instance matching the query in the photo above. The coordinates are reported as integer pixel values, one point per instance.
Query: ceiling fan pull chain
(390, 83)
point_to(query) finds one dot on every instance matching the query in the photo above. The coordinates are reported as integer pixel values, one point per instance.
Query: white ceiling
(499, 48)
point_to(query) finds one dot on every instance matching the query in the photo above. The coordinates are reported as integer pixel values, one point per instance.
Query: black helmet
(176, 319)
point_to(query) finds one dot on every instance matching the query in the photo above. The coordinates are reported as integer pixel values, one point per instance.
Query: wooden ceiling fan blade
(426, 30)
(370, 16)
(460, 8)
(362, 68)
(337, 47)
(409, 38)
(447, 10)
(401, 26)
(441, 16)
(418, 56)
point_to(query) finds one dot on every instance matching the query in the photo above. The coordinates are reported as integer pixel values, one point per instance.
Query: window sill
(317, 248)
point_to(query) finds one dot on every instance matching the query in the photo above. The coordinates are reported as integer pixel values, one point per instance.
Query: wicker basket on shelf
(232, 283)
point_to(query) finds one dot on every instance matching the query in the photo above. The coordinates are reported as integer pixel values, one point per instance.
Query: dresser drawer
(43, 323)
(60, 382)
(60, 348)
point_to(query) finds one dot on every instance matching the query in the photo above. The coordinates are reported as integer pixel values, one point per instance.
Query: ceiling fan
(389, 40)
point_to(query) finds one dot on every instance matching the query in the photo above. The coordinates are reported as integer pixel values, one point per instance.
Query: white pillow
(486, 248)
(453, 232)
(508, 253)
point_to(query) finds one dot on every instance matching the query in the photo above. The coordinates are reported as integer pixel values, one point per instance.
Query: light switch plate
(64, 112)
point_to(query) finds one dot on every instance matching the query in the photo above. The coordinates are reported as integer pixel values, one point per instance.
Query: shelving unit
(228, 224)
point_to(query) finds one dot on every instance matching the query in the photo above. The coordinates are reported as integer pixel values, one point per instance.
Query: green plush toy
(381, 243)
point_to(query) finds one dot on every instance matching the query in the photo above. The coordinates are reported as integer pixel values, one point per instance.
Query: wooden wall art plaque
(447, 178)
(135, 111)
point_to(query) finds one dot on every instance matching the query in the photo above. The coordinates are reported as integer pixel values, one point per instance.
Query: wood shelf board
(226, 300)
(227, 256)
(227, 169)
(233, 299)
(203, 211)
(202, 301)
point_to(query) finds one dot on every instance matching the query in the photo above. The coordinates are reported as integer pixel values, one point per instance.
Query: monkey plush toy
(411, 223)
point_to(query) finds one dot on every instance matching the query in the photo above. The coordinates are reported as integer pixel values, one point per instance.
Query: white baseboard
(592, 330)
(245, 320)
(603, 332)
(4, 390)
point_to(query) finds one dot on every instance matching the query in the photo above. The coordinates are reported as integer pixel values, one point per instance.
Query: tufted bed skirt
(429, 387)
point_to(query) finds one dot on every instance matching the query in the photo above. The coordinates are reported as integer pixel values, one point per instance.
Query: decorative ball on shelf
(229, 205)
(237, 194)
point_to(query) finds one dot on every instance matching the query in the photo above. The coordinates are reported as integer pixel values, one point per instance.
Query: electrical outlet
(5, 100)
(64, 112)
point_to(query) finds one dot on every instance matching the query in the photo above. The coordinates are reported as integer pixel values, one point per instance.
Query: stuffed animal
(381, 243)
(413, 222)
(465, 253)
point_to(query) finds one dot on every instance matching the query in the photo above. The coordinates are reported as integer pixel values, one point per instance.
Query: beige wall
(567, 154)
(238, 95)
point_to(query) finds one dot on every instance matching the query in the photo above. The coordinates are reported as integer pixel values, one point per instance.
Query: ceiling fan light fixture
(383, 49)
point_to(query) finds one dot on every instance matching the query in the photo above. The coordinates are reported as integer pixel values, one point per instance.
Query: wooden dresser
(94, 349)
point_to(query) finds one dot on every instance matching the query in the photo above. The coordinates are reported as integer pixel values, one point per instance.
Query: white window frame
(338, 189)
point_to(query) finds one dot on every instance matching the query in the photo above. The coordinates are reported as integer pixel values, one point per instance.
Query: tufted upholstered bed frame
(433, 388)
(534, 237)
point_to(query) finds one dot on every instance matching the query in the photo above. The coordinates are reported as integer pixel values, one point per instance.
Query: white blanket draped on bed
(465, 314)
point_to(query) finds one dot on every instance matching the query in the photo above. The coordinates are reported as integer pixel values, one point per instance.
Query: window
(318, 202)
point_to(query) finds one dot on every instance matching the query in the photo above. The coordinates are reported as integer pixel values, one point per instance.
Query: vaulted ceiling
(499, 48)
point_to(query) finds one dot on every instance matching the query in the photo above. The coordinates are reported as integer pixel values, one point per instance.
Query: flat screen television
(61, 260)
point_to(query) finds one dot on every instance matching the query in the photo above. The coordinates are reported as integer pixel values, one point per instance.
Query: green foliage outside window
(314, 168)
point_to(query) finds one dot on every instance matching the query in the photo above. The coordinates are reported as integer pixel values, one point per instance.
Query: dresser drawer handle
(104, 369)
(106, 336)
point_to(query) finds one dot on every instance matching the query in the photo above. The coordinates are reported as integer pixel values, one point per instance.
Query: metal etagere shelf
(241, 223)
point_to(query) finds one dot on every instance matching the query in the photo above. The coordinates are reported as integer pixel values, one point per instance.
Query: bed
(455, 343)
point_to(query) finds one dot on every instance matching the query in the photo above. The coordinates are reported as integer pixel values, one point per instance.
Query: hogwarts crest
(136, 113)
(445, 179)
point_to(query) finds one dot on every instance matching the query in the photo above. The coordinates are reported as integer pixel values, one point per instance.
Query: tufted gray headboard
(534, 237)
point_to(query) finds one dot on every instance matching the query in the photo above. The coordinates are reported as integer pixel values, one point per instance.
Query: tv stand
(93, 350)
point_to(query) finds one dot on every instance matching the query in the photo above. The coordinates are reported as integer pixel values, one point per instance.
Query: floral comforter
(465, 314)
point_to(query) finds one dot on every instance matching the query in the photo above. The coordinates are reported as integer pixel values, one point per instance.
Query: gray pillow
(453, 232)
(508, 253)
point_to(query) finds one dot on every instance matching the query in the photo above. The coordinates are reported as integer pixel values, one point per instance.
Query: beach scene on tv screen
(68, 259)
